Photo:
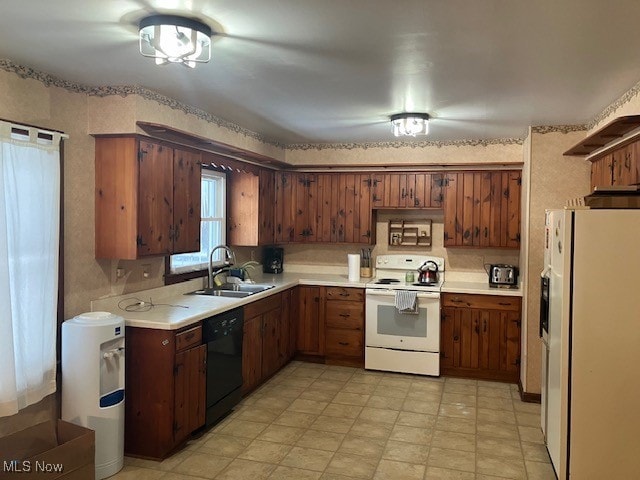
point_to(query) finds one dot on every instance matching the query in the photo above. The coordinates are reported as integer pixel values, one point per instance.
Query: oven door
(386, 327)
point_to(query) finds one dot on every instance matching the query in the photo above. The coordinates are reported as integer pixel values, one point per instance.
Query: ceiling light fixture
(174, 39)
(410, 124)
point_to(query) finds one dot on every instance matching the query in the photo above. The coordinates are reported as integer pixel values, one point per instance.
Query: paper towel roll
(353, 260)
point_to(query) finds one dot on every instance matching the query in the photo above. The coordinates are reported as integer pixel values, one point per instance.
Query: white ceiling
(333, 70)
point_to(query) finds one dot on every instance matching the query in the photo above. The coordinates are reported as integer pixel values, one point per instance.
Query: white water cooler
(93, 383)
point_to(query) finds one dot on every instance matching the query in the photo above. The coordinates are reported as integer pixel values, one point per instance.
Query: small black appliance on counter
(503, 276)
(273, 260)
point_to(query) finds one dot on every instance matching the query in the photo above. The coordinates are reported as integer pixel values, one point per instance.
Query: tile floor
(338, 423)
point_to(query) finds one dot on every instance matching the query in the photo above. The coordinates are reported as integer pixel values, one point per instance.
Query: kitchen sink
(233, 290)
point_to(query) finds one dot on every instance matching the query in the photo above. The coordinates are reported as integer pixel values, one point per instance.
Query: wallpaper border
(49, 80)
(125, 90)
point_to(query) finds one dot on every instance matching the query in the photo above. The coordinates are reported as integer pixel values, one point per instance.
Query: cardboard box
(49, 450)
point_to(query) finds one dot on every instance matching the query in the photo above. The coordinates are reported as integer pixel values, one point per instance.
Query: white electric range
(402, 341)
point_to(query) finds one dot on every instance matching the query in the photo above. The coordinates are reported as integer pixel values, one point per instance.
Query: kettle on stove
(428, 272)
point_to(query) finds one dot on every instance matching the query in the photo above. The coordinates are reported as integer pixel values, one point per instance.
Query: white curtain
(29, 239)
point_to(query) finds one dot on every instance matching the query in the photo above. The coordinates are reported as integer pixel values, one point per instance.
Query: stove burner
(387, 281)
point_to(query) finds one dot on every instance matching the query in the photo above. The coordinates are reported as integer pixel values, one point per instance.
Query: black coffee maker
(272, 260)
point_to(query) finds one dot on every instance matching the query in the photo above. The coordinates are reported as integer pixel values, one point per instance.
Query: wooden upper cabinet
(625, 165)
(323, 208)
(482, 209)
(250, 208)
(407, 190)
(147, 198)
(620, 167)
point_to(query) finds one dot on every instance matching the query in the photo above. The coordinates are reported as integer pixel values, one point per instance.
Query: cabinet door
(155, 199)
(510, 353)
(482, 209)
(395, 190)
(421, 195)
(377, 190)
(602, 172)
(285, 207)
(266, 211)
(459, 209)
(447, 320)
(186, 201)
(348, 208)
(310, 328)
(190, 391)
(435, 195)
(624, 166)
(271, 338)
(251, 353)
(294, 316)
(490, 339)
(311, 208)
(327, 209)
(285, 328)
(362, 212)
(510, 210)
(242, 208)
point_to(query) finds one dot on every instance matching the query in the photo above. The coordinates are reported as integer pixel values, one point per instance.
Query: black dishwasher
(223, 337)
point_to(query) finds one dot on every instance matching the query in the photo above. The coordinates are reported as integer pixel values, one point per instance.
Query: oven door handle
(392, 293)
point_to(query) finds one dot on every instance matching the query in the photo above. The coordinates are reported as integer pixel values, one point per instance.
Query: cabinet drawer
(347, 343)
(261, 306)
(189, 338)
(492, 302)
(347, 315)
(340, 293)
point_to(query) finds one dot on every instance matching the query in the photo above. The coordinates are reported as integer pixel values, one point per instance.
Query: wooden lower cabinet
(344, 326)
(165, 389)
(480, 336)
(266, 345)
(310, 321)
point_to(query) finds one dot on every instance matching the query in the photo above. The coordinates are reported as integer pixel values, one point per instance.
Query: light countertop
(479, 288)
(172, 309)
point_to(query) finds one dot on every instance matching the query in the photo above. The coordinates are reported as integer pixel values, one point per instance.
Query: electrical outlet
(253, 254)
(145, 270)
(120, 272)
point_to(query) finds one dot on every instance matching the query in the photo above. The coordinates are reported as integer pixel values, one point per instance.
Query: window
(212, 227)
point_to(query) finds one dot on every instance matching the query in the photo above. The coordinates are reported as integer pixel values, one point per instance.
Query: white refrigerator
(590, 326)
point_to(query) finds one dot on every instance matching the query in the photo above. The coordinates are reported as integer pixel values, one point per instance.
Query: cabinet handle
(344, 294)
(343, 343)
(456, 300)
(411, 193)
(403, 194)
(485, 326)
(345, 315)
(504, 303)
(189, 336)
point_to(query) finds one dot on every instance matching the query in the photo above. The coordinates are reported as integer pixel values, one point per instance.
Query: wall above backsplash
(458, 259)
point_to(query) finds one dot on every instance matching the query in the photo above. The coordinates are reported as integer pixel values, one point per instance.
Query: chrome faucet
(230, 259)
